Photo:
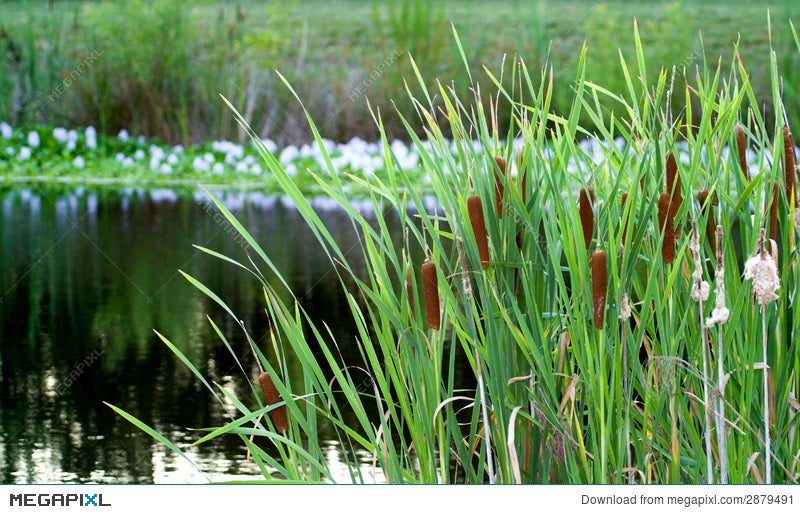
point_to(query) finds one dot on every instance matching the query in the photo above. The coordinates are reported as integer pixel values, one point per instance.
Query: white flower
(78, 162)
(71, 145)
(165, 168)
(127, 162)
(91, 138)
(218, 168)
(761, 269)
(60, 134)
(119, 157)
(200, 164)
(24, 153)
(172, 159)
(270, 145)
(10, 150)
(139, 154)
(123, 136)
(209, 157)
(5, 130)
(33, 139)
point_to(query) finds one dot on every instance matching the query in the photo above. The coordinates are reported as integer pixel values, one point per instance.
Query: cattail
(625, 220)
(741, 145)
(410, 291)
(773, 213)
(706, 210)
(499, 187)
(599, 285)
(666, 224)
(475, 210)
(789, 170)
(674, 188)
(271, 395)
(587, 215)
(430, 284)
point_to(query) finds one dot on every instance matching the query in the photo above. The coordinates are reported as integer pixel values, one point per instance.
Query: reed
(586, 214)
(665, 226)
(430, 286)
(707, 202)
(599, 286)
(741, 146)
(273, 397)
(529, 381)
(674, 185)
(773, 212)
(478, 223)
(790, 173)
(499, 185)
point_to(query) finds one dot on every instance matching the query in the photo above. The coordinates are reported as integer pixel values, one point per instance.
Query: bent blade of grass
(186, 362)
(155, 435)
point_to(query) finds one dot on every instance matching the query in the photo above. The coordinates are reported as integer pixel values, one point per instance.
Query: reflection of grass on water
(569, 387)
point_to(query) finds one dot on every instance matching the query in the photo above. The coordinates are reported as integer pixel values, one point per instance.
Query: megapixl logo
(56, 500)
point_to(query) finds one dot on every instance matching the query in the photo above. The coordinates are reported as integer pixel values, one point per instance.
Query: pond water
(86, 275)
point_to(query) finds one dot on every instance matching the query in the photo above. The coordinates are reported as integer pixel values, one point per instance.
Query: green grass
(165, 84)
(547, 396)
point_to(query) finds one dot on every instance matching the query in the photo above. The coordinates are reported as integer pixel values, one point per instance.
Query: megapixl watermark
(74, 75)
(370, 79)
(56, 500)
(220, 220)
(77, 371)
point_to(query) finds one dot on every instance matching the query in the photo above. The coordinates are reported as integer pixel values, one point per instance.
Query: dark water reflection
(85, 277)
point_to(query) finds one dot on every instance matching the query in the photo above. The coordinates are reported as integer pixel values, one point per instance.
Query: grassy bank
(83, 63)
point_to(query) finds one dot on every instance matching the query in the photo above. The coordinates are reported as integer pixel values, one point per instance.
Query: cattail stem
(430, 285)
(410, 291)
(700, 292)
(741, 145)
(722, 439)
(599, 286)
(476, 219)
(586, 214)
(272, 397)
(767, 445)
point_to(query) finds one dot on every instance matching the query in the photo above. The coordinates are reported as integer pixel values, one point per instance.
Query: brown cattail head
(773, 213)
(789, 163)
(599, 286)
(666, 226)
(430, 285)
(587, 215)
(674, 188)
(475, 210)
(625, 220)
(706, 204)
(499, 186)
(741, 145)
(271, 396)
